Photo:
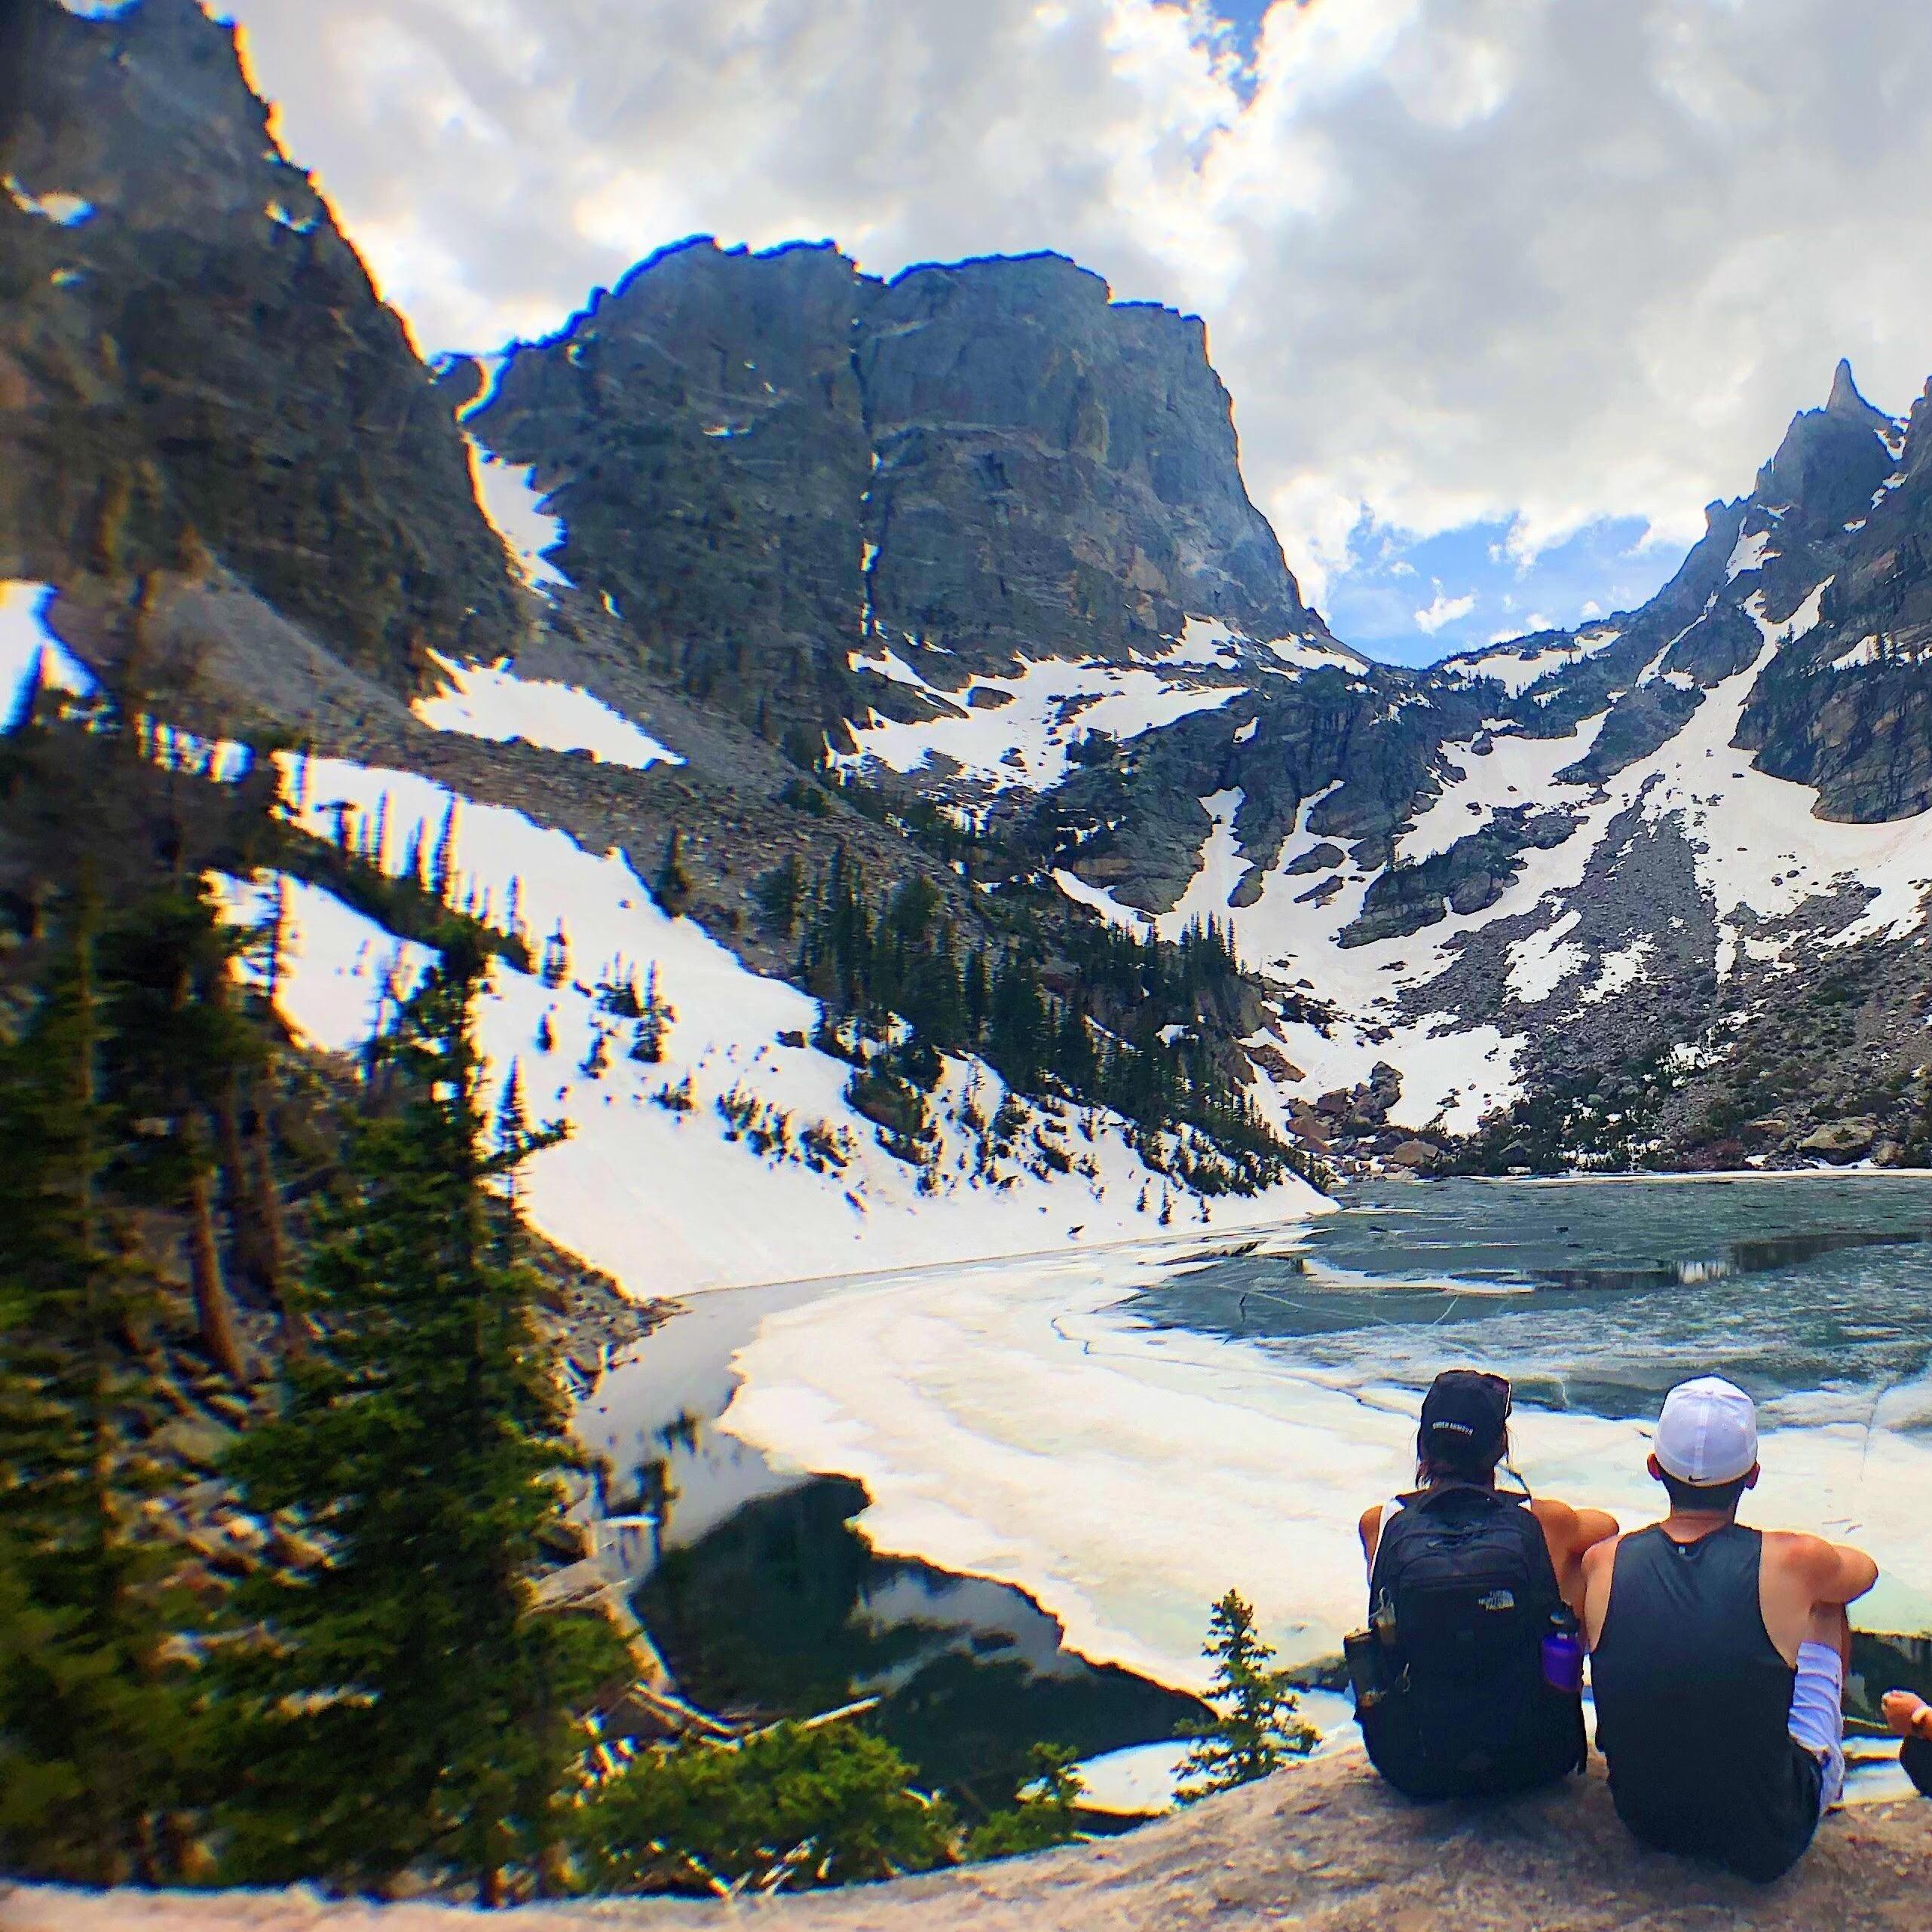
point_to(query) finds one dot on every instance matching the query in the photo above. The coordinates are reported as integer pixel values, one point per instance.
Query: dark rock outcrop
(201, 364)
(769, 461)
(1057, 474)
(700, 431)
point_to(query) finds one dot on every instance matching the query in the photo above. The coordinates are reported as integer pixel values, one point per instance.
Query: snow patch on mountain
(1019, 731)
(490, 701)
(1222, 869)
(31, 658)
(1750, 551)
(1540, 963)
(63, 210)
(1517, 668)
(1516, 769)
(1295, 655)
(1100, 899)
(513, 507)
(1620, 970)
(1452, 1074)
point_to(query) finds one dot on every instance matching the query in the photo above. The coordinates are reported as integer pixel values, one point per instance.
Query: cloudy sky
(1506, 290)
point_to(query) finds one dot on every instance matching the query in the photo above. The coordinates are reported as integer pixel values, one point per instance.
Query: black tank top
(1693, 1700)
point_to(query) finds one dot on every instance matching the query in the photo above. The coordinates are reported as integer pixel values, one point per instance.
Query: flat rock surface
(1326, 1848)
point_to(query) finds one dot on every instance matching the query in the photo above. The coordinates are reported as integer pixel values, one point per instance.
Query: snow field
(1516, 669)
(514, 507)
(759, 1170)
(31, 658)
(1023, 741)
(490, 701)
(1012, 1422)
(1516, 770)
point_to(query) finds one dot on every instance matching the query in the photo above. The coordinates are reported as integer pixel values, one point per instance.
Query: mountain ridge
(956, 572)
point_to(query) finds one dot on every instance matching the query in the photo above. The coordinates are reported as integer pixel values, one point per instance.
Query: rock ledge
(1326, 1849)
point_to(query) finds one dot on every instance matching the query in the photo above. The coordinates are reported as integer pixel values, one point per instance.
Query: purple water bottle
(1563, 1661)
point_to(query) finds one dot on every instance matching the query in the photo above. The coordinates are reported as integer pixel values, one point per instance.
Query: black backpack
(1450, 1689)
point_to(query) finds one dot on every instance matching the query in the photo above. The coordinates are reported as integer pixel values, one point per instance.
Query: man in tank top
(1718, 1652)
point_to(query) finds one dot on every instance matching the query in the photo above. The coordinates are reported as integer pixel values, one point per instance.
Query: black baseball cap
(1465, 1418)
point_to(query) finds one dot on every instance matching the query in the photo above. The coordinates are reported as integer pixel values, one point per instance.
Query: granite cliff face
(1057, 472)
(193, 360)
(769, 461)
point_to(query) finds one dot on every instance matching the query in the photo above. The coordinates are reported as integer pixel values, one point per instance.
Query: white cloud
(1514, 259)
(1444, 611)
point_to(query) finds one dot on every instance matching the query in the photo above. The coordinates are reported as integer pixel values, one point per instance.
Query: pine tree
(671, 887)
(443, 866)
(1253, 1727)
(99, 1739)
(412, 1704)
(655, 1014)
(178, 1043)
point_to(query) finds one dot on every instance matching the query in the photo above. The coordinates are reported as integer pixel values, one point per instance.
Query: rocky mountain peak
(1831, 459)
(193, 360)
(1846, 404)
(771, 463)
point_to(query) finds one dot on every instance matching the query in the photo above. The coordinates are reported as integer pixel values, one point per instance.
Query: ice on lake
(1125, 1437)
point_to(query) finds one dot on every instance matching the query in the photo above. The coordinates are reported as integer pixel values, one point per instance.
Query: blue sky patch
(1412, 600)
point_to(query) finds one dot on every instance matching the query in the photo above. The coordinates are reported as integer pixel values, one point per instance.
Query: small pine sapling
(1254, 1727)
(1044, 1815)
(655, 1016)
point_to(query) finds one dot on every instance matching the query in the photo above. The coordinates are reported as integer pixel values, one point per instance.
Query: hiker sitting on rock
(1468, 1680)
(1718, 1652)
(1911, 1716)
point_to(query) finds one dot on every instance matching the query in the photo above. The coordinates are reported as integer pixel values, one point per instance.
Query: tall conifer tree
(97, 1734)
(416, 1705)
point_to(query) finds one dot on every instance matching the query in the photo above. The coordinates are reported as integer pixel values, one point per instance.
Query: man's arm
(1833, 1573)
(1593, 1526)
(1845, 1572)
(1598, 1567)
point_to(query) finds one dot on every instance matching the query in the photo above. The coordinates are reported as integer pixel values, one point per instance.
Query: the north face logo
(1497, 1600)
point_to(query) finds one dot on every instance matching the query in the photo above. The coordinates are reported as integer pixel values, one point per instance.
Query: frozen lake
(1124, 1434)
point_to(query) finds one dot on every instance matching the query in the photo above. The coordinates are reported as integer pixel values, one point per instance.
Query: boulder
(1418, 1156)
(1841, 1140)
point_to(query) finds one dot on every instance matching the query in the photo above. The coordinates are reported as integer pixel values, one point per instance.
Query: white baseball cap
(1708, 1432)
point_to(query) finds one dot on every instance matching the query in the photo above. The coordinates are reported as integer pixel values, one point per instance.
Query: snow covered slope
(735, 1156)
(1549, 862)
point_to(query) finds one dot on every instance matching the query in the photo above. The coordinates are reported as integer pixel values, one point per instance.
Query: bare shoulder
(1600, 1557)
(1370, 1525)
(1800, 1553)
(1552, 1514)
(1833, 1572)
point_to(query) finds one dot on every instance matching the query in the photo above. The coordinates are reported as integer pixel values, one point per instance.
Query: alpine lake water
(1813, 1291)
